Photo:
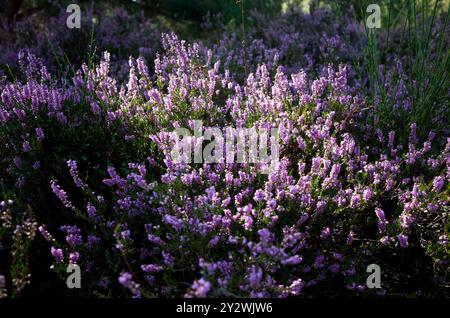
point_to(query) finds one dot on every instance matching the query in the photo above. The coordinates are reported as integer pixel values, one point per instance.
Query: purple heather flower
(36, 165)
(125, 279)
(325, 232)
(201, 287)
(40, 134)
(321, 205)
(319, 262)
(91, 210)
(438, 183)
(259, 195)
(210, 192)
(18, 162)
(26, 147)
(57, 254)
(125, 235)
(385, 240)
(403, 240)
(264, 235)
(406, 220)
(213, 242)
(318, 86)
(60, 193)
(389, 184)
(413, 133)
(272, 204)
(151, 268)
(74, 173)
(380, 214)
(296, 287)
(104, 282)
(354, 200)
(73, 257)
(334, 268)
(73, 236)
(293, 260)
(367, 195)
(168, 259)
(432, 207)
(45, 234)
(255, 276)
(248, 222)
(301, 143)
(315, 165)
(176, 223)
(155, 239)
(92, 241)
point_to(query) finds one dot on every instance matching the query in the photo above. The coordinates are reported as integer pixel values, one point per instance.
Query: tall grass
(407, 32)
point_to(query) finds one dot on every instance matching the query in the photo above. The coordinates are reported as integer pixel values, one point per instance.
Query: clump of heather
(140, 223)
(54, 121)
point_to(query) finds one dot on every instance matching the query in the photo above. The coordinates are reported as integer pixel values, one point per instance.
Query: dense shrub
(87, 163)
(87, 174)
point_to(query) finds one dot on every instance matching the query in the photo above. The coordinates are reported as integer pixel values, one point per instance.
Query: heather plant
(52, 123)
(87, 162)
(138, 222)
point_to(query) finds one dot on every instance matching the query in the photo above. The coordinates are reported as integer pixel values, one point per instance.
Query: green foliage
(416, 32)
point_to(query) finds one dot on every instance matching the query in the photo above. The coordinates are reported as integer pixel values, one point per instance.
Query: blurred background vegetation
(230, 10)
(193, 10)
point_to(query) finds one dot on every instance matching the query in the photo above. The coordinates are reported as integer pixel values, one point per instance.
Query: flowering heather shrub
(112, 200)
